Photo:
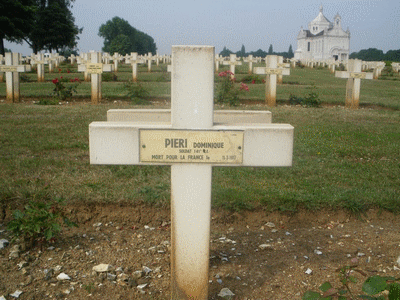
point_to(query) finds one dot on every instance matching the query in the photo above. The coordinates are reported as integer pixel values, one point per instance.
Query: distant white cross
(271, 70)
(353, 85)
(95, 68)
(12, 68)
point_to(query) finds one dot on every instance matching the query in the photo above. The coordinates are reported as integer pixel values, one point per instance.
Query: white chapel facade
(324, 40)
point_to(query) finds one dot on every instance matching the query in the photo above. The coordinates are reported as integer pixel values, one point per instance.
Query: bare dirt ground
(132, 239)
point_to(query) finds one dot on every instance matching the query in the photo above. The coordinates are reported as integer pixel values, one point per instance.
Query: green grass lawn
(343, 159)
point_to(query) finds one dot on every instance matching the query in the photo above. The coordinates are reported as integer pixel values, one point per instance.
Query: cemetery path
(257, 255)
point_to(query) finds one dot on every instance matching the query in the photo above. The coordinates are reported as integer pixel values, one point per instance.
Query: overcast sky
(254, 23)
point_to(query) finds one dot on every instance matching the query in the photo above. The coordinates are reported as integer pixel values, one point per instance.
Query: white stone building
(324, 40)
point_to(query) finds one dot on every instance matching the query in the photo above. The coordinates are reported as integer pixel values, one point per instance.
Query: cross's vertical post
(38, 60)
(95, 78)
(270, 81)
(192, 95)
(353, 84)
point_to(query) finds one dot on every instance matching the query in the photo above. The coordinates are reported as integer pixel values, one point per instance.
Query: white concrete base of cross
(164, 115)
(271, 71)
(192, 143)
(95, 68)
(12, 68)
(353, 85)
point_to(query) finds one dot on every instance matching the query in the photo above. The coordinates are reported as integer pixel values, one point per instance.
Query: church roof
(321, 18)
(309, 34)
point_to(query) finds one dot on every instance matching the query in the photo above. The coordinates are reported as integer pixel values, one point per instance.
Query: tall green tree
(119, 36)
(242, 51)
(54, 26)
(225, 52)
(270, 50)
(371, 54)
(393, 55)
(16, 18)
(290, 53)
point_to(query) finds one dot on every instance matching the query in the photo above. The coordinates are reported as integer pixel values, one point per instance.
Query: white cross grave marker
(232, 62)
(116, 58)
(95, 68)
(72, 59)
(281, 65)
(353, 85)
(250, 60)
(12, 68)
(39, 61)
(271, 71)
(191, 144)
(84, 58)
(149, 58)
(396, 67)
(134, 60)
(218, 60)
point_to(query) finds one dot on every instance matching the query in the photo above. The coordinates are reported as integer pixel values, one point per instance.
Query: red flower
(55, 81)
(76, 79)
(59, 70)
(244, 87)
(68, 71)
(253, 82)
(222, 74)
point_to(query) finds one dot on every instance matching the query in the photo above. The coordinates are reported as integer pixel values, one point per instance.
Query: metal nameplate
(191, 146)
(8, 68)
(357, 75)
(94, 68)
(273, 71)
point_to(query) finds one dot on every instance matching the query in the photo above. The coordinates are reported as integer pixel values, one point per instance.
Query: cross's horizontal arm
(119, 143)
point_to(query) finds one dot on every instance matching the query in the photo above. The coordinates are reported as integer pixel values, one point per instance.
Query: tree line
(119, 36)
(42, 24)
(259, 53)
(373, 54)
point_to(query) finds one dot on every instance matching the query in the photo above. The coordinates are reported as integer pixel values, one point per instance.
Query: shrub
(294, 100)
(226, 92)
(310, 100)
(253, 79)
(63, 92)
(109, 77)
(137, 93)
(372, 287)
(24, 78)
(39, 222)
(47, 102)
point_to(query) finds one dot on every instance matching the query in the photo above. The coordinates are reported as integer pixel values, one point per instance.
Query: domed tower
(320, 23)
(323, 40)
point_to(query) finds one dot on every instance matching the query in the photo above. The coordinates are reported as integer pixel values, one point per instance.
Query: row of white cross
(92, 64)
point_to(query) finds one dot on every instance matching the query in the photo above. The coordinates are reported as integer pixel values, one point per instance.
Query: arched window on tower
(308, 46)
